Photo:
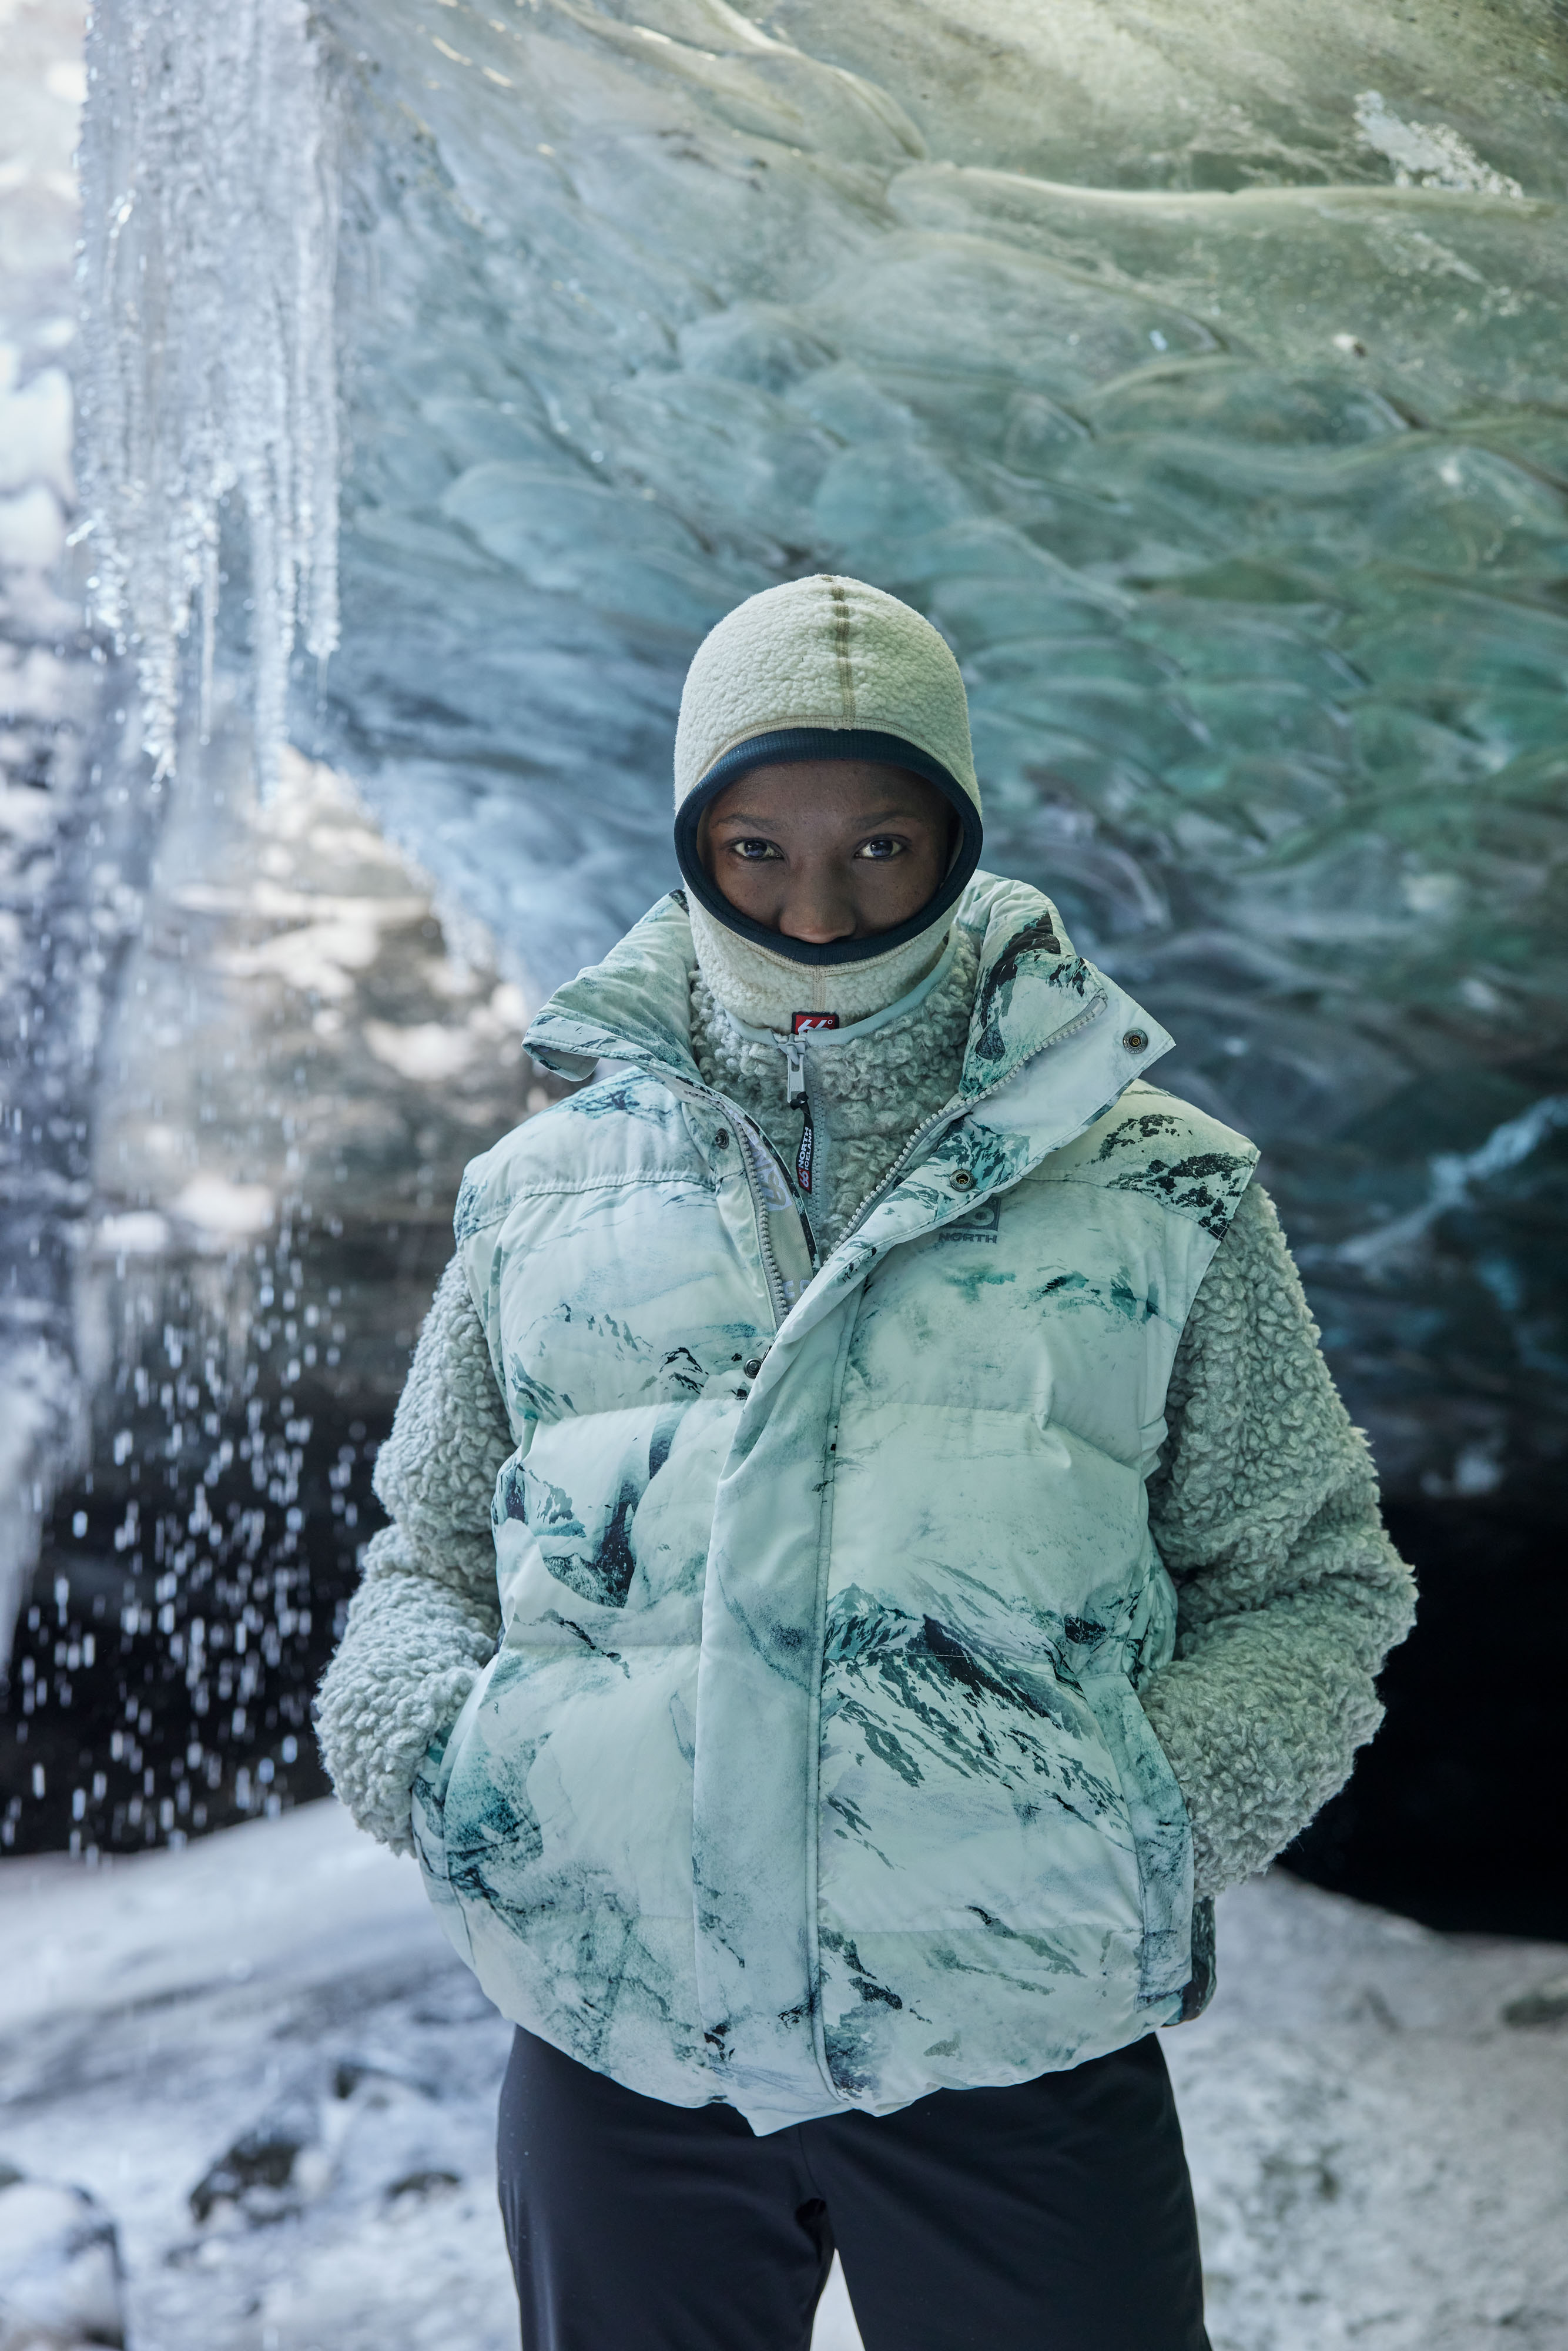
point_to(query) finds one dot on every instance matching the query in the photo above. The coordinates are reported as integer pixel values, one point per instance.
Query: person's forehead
(894, 790)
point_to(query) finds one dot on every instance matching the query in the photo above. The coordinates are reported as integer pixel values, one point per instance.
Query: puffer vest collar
(1033, 991)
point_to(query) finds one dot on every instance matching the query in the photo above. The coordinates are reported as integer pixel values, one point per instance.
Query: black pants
(1056, 2216)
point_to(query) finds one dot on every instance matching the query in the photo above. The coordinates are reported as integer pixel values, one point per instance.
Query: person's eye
(754, 850)
(883, 845)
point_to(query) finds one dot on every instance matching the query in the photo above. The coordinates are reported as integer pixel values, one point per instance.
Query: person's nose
(818, 906)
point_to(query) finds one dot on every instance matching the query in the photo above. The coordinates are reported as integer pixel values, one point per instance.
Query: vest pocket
(431, 1784)
(1162, 1837)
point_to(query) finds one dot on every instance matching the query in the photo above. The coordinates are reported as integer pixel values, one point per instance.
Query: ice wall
(70, 850)
(1197, 370)
(209, 214)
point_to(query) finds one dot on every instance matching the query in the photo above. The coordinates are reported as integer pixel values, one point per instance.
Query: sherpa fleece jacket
(1260, 1500)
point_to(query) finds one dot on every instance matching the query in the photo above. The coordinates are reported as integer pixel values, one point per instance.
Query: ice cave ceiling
(1199, 371)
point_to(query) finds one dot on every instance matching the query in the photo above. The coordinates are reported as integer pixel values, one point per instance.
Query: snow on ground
(1380, 2155)
(267, 2028)
(285, 1980)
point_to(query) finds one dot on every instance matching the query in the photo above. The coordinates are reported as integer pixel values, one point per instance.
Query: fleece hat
(823, 668)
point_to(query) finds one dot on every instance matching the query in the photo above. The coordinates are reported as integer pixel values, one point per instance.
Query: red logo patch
(798, 1020)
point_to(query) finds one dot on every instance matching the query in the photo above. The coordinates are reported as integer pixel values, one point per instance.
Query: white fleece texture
(823, 652)
(1289, 1593)
(868, 1093)
(765, 990)
(426, 1615)
(1264, 1508)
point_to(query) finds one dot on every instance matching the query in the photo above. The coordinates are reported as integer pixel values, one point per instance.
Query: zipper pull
(805, 1157)
(795, 1054)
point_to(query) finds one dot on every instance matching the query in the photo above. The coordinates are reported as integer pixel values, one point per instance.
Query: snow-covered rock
(59, 2269)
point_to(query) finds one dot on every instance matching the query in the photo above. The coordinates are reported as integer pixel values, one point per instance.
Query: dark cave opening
(1455, 1815)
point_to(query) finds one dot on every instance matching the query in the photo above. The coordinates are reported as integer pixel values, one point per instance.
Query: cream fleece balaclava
(820, 668)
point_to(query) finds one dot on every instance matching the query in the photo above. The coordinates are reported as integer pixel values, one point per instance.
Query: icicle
(209, 241)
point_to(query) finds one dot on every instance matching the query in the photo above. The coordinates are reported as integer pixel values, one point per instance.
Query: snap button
(753, 1367)
(1135, 1041)
(721, 1140)
(961, 1179)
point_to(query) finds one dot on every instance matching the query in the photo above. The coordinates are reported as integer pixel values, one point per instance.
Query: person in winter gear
(875, 1547)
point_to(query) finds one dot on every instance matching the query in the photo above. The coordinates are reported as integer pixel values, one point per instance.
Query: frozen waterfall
(209, 200)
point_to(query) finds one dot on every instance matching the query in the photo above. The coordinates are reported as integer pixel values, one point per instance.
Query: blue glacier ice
(1200, 372)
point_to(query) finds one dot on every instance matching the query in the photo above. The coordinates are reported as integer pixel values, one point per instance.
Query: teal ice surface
(812, 1741)
(1233, 468)
(1199, 374)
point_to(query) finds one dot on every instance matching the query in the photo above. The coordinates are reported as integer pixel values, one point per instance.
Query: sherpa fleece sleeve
(426, 1616)
(1289, 1593)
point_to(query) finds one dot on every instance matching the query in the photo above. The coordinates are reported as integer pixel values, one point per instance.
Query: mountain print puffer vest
(810, 1773)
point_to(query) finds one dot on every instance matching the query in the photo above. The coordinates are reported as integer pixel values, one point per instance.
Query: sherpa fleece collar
(634, 1007)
